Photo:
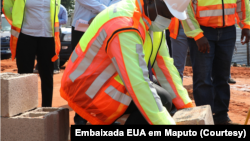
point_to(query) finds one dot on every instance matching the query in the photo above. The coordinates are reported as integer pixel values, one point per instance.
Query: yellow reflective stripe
(100, 80)
(218, 12)
(163, 81)
(14, 33)
(90, 55)
(143, 66)
(118, 96)
(74, 56)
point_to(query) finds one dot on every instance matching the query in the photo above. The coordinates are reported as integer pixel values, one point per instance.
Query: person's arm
(7, 9)
(126, 53)
(63, 17)
(169, 78)
(192, 29)
(93, 5)
(243, 19)
(190, 25)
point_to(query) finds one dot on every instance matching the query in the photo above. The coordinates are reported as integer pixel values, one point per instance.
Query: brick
(19, 93)
(41, 124)
(200, 115)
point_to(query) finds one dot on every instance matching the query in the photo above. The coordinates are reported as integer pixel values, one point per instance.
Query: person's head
(166, 8)
(152, 7)
(161, 11)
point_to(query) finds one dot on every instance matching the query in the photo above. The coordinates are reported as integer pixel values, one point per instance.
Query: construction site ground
(238, 107)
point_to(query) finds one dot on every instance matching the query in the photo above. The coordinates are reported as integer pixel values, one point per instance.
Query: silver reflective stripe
(143, 66)
(210, 13)
(118, 96)
(74, 56)
(100, 80)
(146, 21)
(140, 5)
(189, 22)
(195, 6)
(229, 11)
(14, 33)
(56, 29)
(238, 6)
(163, 81)
(118, 70)
(90, 55)
(115, 8)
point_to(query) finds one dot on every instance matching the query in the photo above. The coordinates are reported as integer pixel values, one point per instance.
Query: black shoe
(81, 122)
(230, 80)
(173, 110)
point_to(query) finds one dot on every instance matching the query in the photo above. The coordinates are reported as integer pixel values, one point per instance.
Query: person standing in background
(86, 10)
(35, 33)
(63, 18)
(179, 45)
(210, 27)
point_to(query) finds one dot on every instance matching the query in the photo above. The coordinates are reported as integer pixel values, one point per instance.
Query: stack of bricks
(21, 119)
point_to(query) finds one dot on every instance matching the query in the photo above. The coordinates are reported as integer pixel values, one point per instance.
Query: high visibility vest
(91, 82)
(174, 27)
(14, 13)
(216, 14)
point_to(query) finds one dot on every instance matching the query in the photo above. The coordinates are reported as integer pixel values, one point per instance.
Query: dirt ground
(240, 92)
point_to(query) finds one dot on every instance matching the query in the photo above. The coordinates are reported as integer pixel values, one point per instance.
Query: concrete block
(42, 124)
(200, 115)
(19, 93)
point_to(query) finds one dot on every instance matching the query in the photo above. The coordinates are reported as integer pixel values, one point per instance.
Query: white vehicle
(5, 38)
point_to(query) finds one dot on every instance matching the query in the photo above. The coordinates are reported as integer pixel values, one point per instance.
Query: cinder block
(42, 124)
(19, 93)
(200, 115)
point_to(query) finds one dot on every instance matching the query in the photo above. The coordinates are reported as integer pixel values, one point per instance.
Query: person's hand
(90, 21)
(203, 45)
(245, 36)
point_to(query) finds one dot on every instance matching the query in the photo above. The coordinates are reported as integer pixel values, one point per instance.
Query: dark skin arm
(203, 45)
(245, 33)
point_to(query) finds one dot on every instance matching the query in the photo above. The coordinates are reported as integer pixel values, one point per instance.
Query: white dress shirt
(87, 9)
(37, 20)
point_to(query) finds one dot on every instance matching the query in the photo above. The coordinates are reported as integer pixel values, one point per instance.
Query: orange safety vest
(85, 60)
(215, 13)
(14, 13)
(174, 27)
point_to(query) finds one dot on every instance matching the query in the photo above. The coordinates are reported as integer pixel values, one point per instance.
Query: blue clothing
(179, 50)
(37, 14)
(62, 15)
(87, 9)
(211, 70)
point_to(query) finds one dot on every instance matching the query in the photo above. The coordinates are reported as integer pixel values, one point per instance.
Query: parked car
(66, 48)
(5, 38)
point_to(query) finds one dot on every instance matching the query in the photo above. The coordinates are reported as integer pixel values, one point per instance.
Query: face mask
(160, 23)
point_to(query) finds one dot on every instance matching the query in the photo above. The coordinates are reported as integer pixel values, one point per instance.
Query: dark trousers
(168, 42)
(75, 38)
(211, 70)
(27, 48)
(136, 117)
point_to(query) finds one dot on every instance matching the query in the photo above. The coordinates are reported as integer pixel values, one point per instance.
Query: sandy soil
(240, 92)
